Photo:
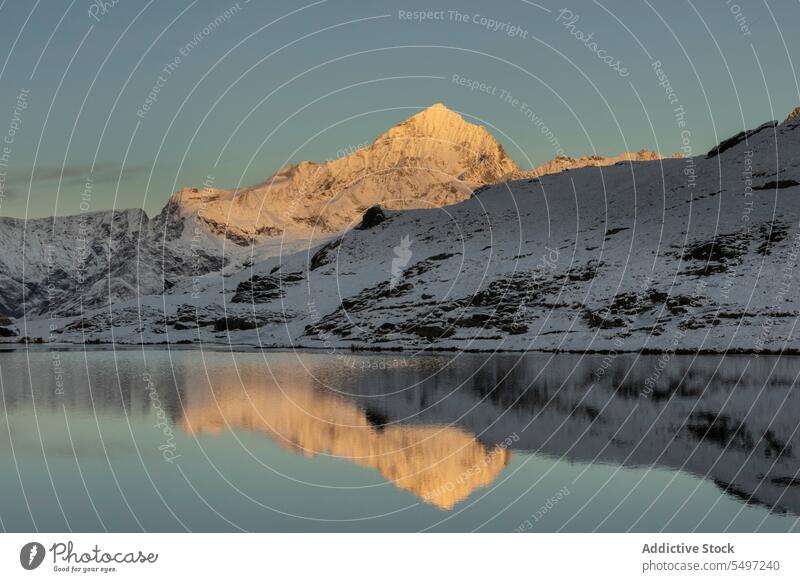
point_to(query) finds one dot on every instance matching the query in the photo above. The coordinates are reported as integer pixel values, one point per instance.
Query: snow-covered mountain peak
(437, 129)
(436, 121)
(434, 158)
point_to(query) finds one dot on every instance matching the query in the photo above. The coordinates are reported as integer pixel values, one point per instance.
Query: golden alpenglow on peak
(434, 158)
(434, 120)
(561, 163)
(441, 465)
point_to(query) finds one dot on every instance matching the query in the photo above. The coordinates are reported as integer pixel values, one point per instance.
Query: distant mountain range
(62, 264)
(433, 237)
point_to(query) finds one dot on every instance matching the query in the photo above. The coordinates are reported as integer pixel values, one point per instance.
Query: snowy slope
(56, 266)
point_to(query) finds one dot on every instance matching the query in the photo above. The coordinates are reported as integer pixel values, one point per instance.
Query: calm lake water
(175, 440)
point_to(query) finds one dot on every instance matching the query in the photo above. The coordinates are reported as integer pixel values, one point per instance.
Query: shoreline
(249, 348)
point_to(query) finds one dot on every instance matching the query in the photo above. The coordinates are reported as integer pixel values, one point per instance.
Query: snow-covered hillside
(667, 254)
(57, 266)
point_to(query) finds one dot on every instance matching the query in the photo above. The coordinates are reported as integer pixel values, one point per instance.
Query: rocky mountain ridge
(60, 266)
(653, 255)
(435, 158)
(562, 163)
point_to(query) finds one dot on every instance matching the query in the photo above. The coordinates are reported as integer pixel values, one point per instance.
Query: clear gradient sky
(279, 81)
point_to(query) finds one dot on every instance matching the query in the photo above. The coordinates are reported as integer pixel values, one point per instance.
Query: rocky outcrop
(740, 137)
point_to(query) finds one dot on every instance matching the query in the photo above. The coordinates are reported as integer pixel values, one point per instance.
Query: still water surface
(166, 440)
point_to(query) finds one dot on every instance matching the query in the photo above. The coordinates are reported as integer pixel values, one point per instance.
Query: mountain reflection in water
(442, 427)
(477, 438)
(439, 464)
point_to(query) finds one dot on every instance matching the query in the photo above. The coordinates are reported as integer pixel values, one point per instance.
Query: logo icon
(31, 555)
(402, 253)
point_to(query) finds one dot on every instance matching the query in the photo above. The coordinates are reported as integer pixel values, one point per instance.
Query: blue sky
(270, 83)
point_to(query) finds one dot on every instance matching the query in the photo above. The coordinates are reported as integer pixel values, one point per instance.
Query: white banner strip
(388, 557)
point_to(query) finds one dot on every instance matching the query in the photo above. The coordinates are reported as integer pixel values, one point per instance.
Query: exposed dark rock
(376, 419)
(514, 328)
(292, 277)
(323, 255)
(258, 289)
(442, 256)
(264, 288)
(189, 317)
(777, 185)
(680, 304)
(474, 320)
(739, 138)
(234, 324)
(717, 254)
(585, 273)
(613, 231)
(232, 233)
(433, 332)
(601, 320)
(269, 231)
(771, 234)
(372, 217)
